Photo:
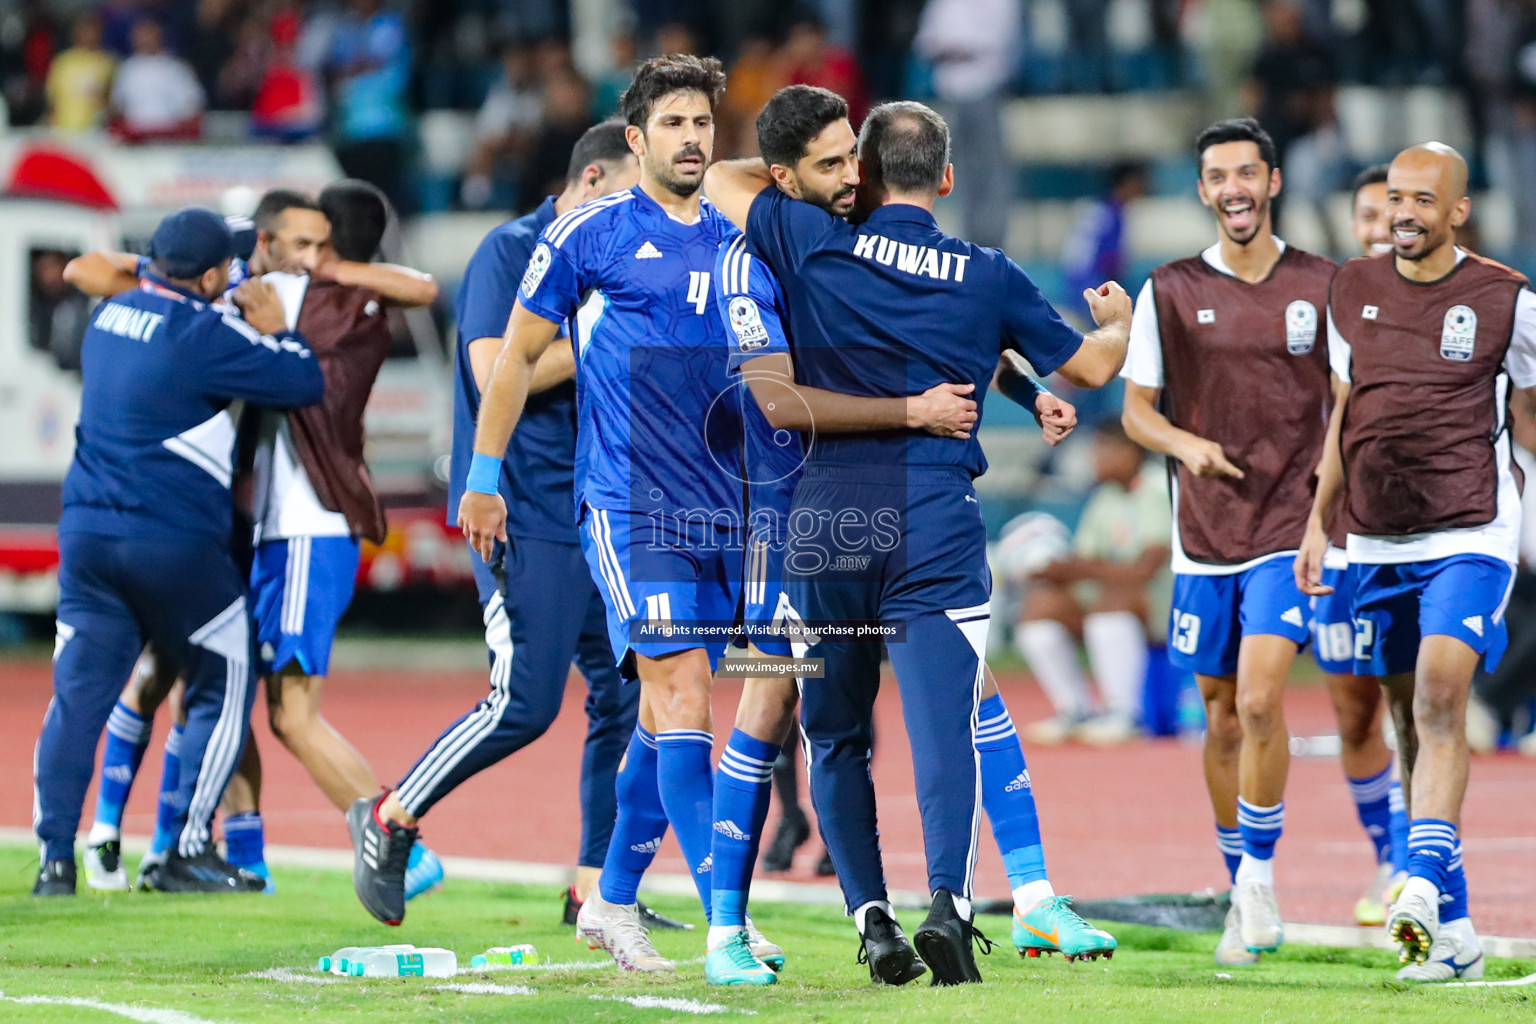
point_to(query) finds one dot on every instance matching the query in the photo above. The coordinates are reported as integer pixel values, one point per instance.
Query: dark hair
(602, 143)
(359, 213)
(904, 146)
(275, 203)
(1372, 175)
(669, 73)
(1122, 171)
(792, 118)
(1237, 129)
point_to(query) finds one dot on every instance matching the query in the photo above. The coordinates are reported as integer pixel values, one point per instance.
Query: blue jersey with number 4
(658, 430)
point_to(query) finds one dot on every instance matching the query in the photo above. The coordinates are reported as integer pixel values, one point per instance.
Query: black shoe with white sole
(207, 872)
(55, 878)
(891, 958)
(380, 855)
(944, 943)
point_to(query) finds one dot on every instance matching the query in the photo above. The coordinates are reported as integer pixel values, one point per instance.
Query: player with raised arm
(533, 634)
(810, 151)
(1425, 346)
(1215, 339)
(882, 310)
(144, 538)
(1357, 700)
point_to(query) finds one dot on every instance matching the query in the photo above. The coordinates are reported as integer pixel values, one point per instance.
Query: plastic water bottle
(405, 963)
(505, 956)
(337, 962)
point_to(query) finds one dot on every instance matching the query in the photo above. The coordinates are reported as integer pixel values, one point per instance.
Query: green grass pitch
(184, 960)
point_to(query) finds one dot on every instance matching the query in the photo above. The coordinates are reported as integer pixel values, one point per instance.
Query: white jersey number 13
(698, 290)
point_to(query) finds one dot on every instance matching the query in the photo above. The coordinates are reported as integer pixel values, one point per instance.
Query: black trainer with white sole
(943, 940)
(891, 958)
(207, 873)
(380, 856)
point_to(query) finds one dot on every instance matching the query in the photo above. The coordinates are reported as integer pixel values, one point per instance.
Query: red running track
(1116, 822)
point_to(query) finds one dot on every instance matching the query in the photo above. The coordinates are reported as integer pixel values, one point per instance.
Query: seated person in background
(1112, 589)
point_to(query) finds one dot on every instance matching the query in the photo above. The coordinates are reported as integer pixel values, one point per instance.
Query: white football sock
(1030, 893)
(859, 914)
(100, 833)
(1251, 869)
(962, 906)
(1052, 657)
(1117, 651)
(720, 933)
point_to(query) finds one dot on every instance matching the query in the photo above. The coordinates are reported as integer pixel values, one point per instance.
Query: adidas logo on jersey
(1019, 783)
(647, 252)
(730, 830)
(1293, 616)
(1475, 624)
(649, 846)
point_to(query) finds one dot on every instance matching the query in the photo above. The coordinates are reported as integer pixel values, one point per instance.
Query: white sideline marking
(667, 1003)
(570, 965)
(483, 989)
(144, 1014)
(289, 974)
(1529, 979)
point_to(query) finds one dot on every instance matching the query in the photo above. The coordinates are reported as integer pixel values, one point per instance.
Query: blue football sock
(1398, 827)
(1260, 828)
(1230, 842)
(1431, 851)
(127, 738)
(244, 844)
(686, 780)
(1373, 803)
(1453, 903)
(640, 825)
(170, 787)
(743, 788)
(1007, 796)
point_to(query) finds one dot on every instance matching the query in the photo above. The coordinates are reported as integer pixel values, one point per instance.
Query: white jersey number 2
(698, 290)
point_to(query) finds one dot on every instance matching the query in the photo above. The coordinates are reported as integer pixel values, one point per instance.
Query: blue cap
(190, 242)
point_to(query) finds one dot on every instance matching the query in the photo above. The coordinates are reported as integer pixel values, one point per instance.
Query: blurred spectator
(1411, 42)
(567, 116)
(155, 95)
(1291, 87)
(612, 83)
(676, 37)
(27, 41)
(288, 106)
(1095, 251)
(1522, 141)
(57, 311)
(80, 79)
(1113, 589)
(369, 68)
(1088, 44)
(237, 81)
(973, 46)
(505, 128)
(754, 78)
(810, 60)
(215, 25)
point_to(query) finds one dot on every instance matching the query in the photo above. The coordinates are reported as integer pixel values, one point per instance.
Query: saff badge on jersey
(747, 322)
(1459, 334)
(538, 265)
(1300, 327)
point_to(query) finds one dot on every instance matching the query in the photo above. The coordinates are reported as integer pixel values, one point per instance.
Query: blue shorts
(1212, 614)
(764, 606)
(300, 588)
(667, 587)
(1333, 623)
(1463, 596)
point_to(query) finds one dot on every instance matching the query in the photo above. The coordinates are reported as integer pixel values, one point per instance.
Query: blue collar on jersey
(545, 215)
(901, 212)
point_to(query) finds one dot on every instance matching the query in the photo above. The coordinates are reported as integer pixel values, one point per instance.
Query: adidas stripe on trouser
(534, 633)
(190, 599)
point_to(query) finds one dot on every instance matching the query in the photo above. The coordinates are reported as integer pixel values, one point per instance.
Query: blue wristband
(1025, 392)
(484, 474)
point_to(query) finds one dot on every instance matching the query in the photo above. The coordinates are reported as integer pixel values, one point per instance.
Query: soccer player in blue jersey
(809, 148)
(144, 538)
(886, 537)
(533, 633)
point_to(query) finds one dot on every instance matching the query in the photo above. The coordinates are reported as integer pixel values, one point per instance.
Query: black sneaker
(824, 866)
(792, 833)
(944, 943)
(206, 872)
(379, 857)
(654, 921)
(650, 919)
(55, 878)
(891, 959)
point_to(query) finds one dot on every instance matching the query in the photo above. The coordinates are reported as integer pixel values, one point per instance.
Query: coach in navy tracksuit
(144, 538)
(886, 532)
